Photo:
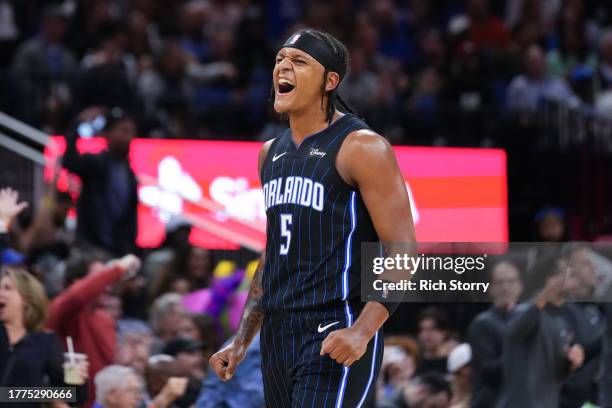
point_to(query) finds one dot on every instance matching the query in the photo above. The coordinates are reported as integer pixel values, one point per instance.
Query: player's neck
(304, 124)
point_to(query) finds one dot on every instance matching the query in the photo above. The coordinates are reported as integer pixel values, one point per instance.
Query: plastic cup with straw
(72, 361)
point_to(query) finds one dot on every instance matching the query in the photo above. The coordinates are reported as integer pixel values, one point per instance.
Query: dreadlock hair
(332, 96)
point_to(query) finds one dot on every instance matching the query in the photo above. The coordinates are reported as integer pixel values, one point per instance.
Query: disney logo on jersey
(316, 152)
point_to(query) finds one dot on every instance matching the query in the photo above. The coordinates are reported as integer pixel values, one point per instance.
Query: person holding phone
(107, 205)
(540, 343)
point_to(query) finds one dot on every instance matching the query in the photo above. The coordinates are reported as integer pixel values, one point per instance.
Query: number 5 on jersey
(285, 223)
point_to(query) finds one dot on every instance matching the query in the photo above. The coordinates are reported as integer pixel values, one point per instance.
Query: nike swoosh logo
(322, 329)
(275, 158)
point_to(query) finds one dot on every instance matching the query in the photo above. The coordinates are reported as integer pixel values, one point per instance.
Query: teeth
(284, 82)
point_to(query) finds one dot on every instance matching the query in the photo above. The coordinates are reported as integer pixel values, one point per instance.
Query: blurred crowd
(421, 71)
(442, 72)
(137, 331)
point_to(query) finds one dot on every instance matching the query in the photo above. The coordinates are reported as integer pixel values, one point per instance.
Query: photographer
(107, 205)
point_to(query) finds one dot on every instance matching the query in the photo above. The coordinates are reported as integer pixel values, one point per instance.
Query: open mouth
(284, 86)
(2, 304)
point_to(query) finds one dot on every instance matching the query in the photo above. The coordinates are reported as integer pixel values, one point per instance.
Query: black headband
(317, 49)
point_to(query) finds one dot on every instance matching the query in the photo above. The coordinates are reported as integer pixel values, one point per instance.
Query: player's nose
(283, 65)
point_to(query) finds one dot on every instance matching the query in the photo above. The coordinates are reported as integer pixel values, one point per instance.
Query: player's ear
(332, 81)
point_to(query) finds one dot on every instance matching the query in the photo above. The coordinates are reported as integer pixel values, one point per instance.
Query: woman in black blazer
(29, 356)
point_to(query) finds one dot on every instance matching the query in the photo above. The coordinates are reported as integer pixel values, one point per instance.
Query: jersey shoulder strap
(350, 124)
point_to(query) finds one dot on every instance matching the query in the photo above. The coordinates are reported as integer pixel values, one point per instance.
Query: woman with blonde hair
(28, 354)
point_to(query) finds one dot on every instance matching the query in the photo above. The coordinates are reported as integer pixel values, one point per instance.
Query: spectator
(190, 362)
(527, 90)
(198, 269)
(43, 66)
(551, 226)
(10, 207)
(117, 387)
(467, 104)
(27, 353)
(573, 52)
(89, 20)
(427, 390)
(399, 364)
(10, 33)
(530, 20)
(47, 228)
(175, 245)
(134, 338)
(603, 77)
(460, 367)
(78, 311)
(120, 387)
(167, 314)
(433, 333)
(160, 368)
(360, 86)
(202, 328)
(544, 12)
(46, 239)
(108, 76)
(392, 27)
(244, 390)
(539, 345)
(188, 355)
(589, 328)
(142, 35)
(487, 331)
(487, 31)
(186, 273)
(107, 205)
(171, 83)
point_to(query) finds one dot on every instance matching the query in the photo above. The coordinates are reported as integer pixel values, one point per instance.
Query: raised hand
(9, 205)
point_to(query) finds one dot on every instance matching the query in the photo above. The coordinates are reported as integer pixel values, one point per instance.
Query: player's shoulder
(362, 152)
(366, 142)
(263, 153)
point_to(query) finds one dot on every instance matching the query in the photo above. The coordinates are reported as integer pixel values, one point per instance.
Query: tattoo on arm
(253, 313)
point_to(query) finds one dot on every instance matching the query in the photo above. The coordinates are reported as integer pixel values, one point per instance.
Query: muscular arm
(225, 360)
(252, 315)
(367, 161)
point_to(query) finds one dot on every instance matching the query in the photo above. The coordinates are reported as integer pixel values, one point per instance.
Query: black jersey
(315, 222)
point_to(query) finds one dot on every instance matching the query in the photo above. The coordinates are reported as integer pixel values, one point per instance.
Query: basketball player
(329, 183)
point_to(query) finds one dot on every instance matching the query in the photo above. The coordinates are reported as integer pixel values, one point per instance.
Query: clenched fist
(345, 345)
(575, 355)
(224, 361)
(130, 265)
